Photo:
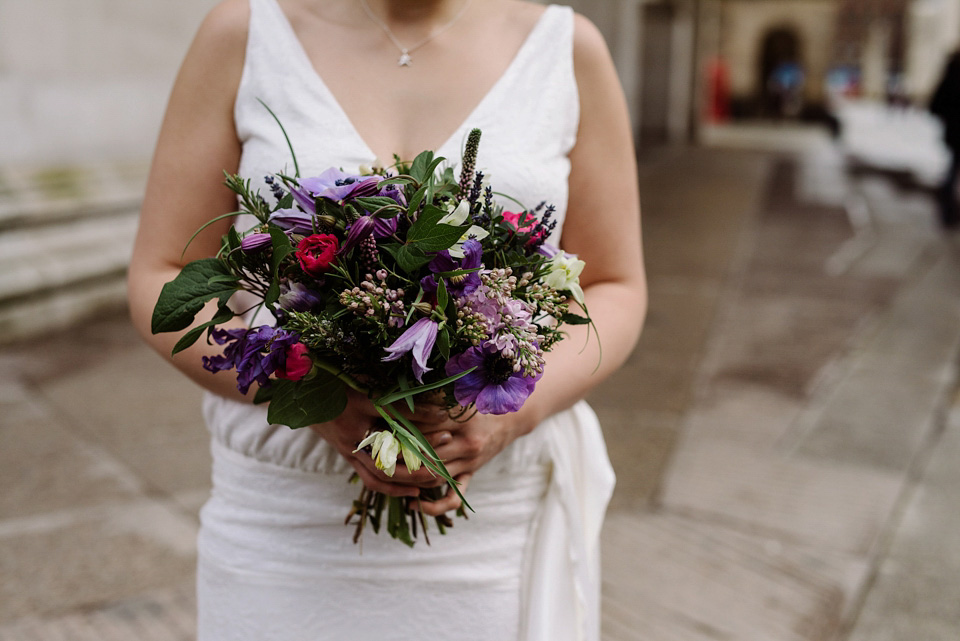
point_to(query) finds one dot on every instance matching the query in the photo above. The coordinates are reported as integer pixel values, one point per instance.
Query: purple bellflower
(254, 242)
(254, 353)
(418, 340)
(495, 385)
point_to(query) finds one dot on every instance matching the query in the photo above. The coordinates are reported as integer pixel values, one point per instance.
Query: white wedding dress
(275, 559)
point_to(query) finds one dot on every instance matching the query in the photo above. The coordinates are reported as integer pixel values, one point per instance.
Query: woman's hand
(464, 448)
(346, 431)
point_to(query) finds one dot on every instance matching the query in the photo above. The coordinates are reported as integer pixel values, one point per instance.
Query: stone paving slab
(832, 506)
(167, 615)
(713, 583)
(917, 595)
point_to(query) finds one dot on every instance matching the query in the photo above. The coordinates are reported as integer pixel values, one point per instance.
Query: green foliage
(224, 314)
(183, 297)
(307, 402)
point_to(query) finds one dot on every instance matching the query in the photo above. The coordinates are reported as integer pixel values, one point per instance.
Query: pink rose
(523, 222)
(317, 252)
(297, 363)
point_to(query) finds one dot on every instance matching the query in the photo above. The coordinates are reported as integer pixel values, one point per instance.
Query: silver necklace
(405, 60)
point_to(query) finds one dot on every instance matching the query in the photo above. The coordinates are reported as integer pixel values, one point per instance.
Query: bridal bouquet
(394, 283)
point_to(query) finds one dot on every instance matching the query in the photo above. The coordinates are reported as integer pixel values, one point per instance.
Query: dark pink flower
(297, 363)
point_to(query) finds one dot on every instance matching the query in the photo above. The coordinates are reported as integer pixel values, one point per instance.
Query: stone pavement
(783, 435)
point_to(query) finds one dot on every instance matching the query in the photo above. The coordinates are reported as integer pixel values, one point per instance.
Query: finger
(439, 439)
(374, 483)
(401, 475)
(449, 502)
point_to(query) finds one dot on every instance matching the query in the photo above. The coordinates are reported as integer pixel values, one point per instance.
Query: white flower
(457, 216)
(477, 233)
(411, 458)
(565, 274)
(385, 450)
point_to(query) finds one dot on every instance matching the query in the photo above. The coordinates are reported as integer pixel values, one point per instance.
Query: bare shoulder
(214, 64)
(522, 15)
(590, 52)
(225, 28)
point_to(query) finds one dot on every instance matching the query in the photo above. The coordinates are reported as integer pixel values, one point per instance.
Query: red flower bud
(297, 363)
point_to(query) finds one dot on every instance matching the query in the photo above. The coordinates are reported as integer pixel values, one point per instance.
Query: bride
(355, 82)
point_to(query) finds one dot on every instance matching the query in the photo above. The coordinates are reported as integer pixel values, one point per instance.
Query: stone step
(35, 261)
(66, 235)
(38, 196)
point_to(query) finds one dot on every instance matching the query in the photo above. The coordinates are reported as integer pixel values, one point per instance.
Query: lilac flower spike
(418, 339)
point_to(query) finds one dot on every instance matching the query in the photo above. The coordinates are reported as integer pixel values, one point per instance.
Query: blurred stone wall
(745, 23)
(933, 31)
(83, 79)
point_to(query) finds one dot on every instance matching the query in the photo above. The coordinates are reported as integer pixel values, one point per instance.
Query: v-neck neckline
(311, 71)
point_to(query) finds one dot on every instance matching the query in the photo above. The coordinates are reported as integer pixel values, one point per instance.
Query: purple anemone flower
(444, 262)
(293, 220)
(395, 192)
(494, 385)
(418, 339)
(336, 185)
(255, 353)
(297, 297)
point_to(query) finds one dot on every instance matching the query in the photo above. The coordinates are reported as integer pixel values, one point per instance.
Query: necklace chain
(405, 60)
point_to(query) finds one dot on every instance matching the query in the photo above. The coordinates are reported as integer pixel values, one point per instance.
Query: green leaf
(410, 258)
(431, 236)
(373, 203)
(408, 434)
(443, 343)
(421, 165)
(264, 395)
(185, 295)
(438, 238)
(293, 155)
(574, 319)
(307, 402)
(415, 201)
(281, 249)
(223, 315)
(396, 396)
(457, 272)
(442, 297)
(204, 226)
(404, 384)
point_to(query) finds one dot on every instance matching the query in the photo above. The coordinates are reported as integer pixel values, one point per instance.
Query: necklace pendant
(405, 60)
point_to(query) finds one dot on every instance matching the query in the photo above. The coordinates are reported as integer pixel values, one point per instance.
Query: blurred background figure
(945, 105)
